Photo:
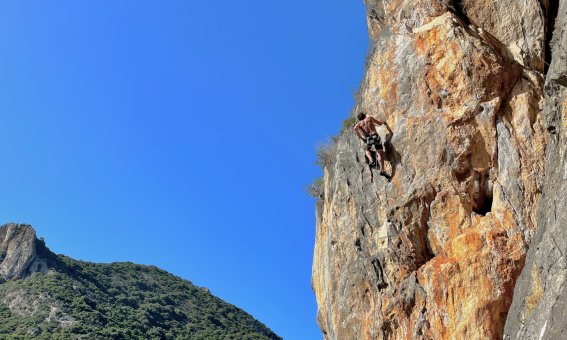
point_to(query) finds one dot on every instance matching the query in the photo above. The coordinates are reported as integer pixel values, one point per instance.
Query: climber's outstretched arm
(376, 121)
(379, 122)
(388, 127)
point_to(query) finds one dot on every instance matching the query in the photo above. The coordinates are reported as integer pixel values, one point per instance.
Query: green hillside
(80, 300)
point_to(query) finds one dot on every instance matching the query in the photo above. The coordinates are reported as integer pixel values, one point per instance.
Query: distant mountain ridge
(49, 296)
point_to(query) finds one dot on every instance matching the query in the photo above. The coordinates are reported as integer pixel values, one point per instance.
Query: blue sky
(180, 134)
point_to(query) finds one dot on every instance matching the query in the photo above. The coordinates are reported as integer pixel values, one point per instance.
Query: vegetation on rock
(81, 300)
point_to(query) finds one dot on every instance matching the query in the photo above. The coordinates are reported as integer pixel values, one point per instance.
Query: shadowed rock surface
(540, 299)
(436, 252)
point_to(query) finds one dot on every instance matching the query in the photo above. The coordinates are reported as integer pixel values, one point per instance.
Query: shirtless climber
(365, 129)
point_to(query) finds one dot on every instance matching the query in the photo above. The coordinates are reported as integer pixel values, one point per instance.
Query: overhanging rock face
(436, 252)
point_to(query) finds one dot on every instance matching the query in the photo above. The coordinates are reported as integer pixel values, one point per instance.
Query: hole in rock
(484, 207)
(357, 245)
(461, 175)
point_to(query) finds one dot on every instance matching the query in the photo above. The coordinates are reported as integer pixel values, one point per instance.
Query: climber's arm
(359, 132)
(379, 122)
(376, 121)
(388, 127)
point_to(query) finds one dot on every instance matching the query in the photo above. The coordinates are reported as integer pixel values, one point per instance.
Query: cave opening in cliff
(552, 12)
(485, 207)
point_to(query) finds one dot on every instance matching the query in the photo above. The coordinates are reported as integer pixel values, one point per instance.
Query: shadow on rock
(392, 156)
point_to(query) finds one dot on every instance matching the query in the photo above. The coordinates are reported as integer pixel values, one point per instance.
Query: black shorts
(373, 140)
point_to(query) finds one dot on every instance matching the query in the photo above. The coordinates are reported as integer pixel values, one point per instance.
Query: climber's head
(361, 115)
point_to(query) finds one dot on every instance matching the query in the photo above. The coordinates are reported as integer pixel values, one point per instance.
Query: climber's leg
(380, 156)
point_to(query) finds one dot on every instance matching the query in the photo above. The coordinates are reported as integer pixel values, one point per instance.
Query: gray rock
(21, 253)
(540, 297)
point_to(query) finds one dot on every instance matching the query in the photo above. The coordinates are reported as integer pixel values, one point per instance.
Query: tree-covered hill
(80, 300)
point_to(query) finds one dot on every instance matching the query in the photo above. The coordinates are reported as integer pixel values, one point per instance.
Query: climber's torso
(368, 126)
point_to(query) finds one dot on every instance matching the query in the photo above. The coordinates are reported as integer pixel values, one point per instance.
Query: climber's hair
(361, 115)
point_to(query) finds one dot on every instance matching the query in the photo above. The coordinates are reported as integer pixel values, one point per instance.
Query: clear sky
(180, 134)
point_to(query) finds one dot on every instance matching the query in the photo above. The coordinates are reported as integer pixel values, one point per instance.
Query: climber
(365, 129)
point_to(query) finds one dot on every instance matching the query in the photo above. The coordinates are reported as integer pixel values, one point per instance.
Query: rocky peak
(21, 253)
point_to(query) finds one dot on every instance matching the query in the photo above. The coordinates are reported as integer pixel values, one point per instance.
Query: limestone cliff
(540, 299)
(435, 252)
(21, 253)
